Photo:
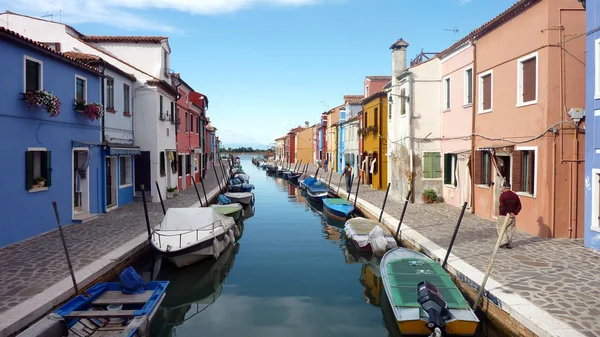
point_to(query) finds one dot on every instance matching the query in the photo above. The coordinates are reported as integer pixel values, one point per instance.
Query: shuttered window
(38, 167)
(126, 98)
(487, 92)
(110, 93)
(529, 83)
(33, 75)
(160, 108)
(482, 174)
(468, 86)
(450, 161)
(80, 89)
(180, 164)
(524, 171)
(163, 170)
(447, 93)
(432, 165)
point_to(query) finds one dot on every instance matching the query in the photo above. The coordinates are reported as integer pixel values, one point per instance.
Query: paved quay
(33, 266)
(557, 280)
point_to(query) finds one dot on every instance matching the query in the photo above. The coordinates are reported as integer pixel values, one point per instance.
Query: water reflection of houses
(370, 278)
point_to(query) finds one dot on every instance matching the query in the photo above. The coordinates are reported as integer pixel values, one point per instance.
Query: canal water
(290, 274)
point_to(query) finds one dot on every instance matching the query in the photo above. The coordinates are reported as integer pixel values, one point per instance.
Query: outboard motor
(434, 305)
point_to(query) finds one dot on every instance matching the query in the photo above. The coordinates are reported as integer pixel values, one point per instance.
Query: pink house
(457, 123)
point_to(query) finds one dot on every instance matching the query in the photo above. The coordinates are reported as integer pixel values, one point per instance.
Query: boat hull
(197, 252)
(336, 213)
(244, 200)
(357, 230)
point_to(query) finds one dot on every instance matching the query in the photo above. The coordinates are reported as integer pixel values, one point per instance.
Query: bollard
(403, 212)
(356, 196)
(197, 193)
(161, 199)
(384, 201)
(462, 212)
(146, 211)
(62, 237)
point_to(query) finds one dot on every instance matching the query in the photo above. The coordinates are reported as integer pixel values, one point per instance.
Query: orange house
(528, 75)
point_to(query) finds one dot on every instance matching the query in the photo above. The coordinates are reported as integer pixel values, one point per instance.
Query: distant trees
(241, 149)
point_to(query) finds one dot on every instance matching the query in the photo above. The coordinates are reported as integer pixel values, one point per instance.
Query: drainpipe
(411, 86)
(473, 113)
(102, 98)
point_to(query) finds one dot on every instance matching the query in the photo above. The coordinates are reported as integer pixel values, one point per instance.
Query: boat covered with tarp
(369, 235)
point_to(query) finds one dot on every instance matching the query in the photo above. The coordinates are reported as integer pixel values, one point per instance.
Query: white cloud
(134, 14)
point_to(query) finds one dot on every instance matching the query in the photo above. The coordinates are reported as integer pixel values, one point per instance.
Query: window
(180, 165)
(402, 102)
(37, 166)
(450, 163)
(172, 117)
(524, 170)
(447, 93)
(198, 124)
(186, 121)
(486, 95)
(110, 93)
(160, 108)
(188, 161)
(192, 117)
(527, 79)
(125, 171)
(597, 69)
(432, 168)
(483, 168)
(177, 120)
(163, 168)
(33, 74)
(468, 86)
(126, 98)
(375, 117)
(80, 88)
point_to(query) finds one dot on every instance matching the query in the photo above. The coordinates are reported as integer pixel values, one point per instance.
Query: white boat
(242, 176)
(244, 198)
(188, 235)
(365, 233)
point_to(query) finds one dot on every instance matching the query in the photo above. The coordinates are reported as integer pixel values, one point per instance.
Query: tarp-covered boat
(230, 210)
(188, 235)
(423, 296)
(244, 198)
(369, 235)
(317, 191)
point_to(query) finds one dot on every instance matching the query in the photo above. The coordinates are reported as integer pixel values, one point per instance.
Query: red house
(190, 114)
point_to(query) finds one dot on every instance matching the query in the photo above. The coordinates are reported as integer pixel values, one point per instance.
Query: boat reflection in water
(370, 278)
(248, 212)
(291, 189)
(191, 290)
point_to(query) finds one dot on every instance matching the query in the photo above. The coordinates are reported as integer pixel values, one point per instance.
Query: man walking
(348, 175)
(510, 206)
(326, 163)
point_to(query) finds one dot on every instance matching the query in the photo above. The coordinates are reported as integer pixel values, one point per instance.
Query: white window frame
(480, 77)
(447, 99)
(121, 185)
(466, 102)
(595, 224)
(25, 58)
(85, 89)
(520, 61)
(39, 150)
(597, 68)
(535, 169)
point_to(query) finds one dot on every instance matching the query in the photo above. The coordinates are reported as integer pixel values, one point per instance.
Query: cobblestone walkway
(560, 276)
(29, 267)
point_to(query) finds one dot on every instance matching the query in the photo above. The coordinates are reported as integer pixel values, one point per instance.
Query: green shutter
(427, 163)
(48, 168)
(447, 168)
(28, 170)
(436, 165)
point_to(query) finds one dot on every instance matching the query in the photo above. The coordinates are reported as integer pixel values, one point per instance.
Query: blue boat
(338, 208)
(243, 187)
(107, 307)
(304, 184)
(317, 191)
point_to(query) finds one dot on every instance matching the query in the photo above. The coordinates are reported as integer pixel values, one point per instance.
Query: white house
(153, 95)
(352, 105)
(414, 126)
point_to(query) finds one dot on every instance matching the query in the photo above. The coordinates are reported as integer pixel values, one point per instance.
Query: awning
(125, 151)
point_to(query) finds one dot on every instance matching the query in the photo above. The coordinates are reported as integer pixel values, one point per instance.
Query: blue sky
(268, 65)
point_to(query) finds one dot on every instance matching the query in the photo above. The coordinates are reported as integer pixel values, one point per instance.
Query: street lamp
(406, 98)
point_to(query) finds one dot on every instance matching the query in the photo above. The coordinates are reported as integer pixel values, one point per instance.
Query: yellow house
(374, 132)
(333, 119)
(304, 145)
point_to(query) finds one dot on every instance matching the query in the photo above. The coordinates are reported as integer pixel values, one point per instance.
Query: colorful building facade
(375, 111)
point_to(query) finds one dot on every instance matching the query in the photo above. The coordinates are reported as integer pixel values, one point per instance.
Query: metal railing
(197, 231)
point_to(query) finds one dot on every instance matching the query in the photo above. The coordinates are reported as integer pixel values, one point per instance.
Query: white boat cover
(192, 219)
(366, 231)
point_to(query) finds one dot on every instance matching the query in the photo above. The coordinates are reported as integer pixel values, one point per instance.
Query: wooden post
(204, 190)
(462, 212)
(356, 196)
(197, 193)
(384, 201)
(64, 242)
(403, 212)
(148, 227)
(161, 199)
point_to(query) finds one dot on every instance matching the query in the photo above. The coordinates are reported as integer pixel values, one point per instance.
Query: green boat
(231, 210)
(423, 296)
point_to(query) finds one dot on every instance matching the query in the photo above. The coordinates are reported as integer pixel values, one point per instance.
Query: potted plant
(176, 191)
(170, 191)
(429, 196)
(39, 182)
(43, 98)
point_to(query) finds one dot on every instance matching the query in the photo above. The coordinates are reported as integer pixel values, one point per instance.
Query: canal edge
(23, 315)
(503, 308)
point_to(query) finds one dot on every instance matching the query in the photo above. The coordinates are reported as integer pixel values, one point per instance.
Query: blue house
(341, 158)
(50, 145)
(592, 134)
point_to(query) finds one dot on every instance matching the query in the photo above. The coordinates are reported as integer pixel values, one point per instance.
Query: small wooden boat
(358, 229)
(244, 198)
(105, 310)
(243, 187)
(230, 210)
(294, 178)
(308, 181)
(317, 191)
(423, 296)
(338, 207)
(188, 235)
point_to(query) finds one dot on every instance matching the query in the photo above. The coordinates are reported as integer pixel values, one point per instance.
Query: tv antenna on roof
(455, 30)
(325, 105)
(49, 15)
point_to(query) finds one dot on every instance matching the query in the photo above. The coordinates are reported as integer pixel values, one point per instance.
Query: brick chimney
(398, 57)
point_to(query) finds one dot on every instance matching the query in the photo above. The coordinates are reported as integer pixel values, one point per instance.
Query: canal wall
(103, 269)
(503, 307)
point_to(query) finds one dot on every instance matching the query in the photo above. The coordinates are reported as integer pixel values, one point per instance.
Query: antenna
(49, 15)
(325, 105)
(455, 30)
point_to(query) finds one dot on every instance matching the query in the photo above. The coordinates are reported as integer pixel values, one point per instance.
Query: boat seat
(101, 313)
(118, 297)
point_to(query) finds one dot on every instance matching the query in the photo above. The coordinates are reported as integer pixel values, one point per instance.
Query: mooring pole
(351, 185)
(148, 227)
(204, 190)
(161, 199)
(317, 173)
(384, 201)
(197, 193)
(340, 184)
(330, 175)
(64, 242)
(217, 175)
(403, 212)
(489, 270)
(356, 196)
(462, 212)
